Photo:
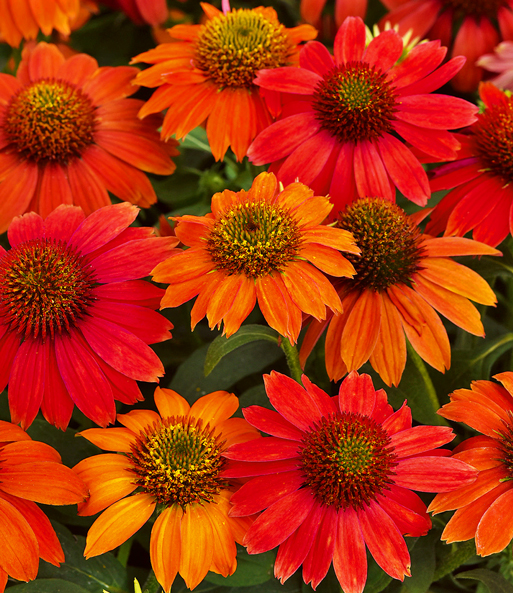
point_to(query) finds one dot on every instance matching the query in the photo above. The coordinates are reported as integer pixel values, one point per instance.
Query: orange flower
(174, 460)
(484, 509)
(208, 75)
(265, 245)
(30, 472)
(402, 279)
(69, 135)
(23, 19)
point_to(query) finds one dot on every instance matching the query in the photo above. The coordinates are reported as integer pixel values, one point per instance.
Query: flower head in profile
(402, 279)
(501, 63)
(265, 245)
(338, 129)
(482, 506)
(335, 477)
(208, 73)
(24, 19)
(475, 23)
(75, 318)
(69, 135)
(171, 460)
(30, 472)
(481, 196)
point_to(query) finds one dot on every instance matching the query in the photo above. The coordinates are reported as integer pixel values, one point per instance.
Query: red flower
(346, 111)
(75, 320)
(151, 12)
(482, 195)
(475, 22)
(30, 472)
(335, 477)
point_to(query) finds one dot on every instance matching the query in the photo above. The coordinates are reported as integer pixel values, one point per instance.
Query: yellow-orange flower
(263, 244)
(70, 135)
(208, 74)
(174, 460)
(30, 472)
(23, 19)
(402, 279)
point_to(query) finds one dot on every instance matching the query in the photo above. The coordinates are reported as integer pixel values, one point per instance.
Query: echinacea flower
(151, 12)
(481, 199)
(75, 318)
(402, 279)
(311, 10)
(30, 472)
(484, 508)
(265, 245)
(500, 62)
(475, 22)
(337, 132)
(208, 73)
(23, 19)
(69, 135)
(174, 460)
(335, 477)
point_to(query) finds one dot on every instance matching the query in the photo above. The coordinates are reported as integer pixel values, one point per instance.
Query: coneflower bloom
(402, 279)
(174, 461)
(75, 318)
(488, 502)
(311, 10)
(481, 199)
(346, 112)
(30, 472)
(23, 19)
(476, 24)
(335, 477)
(69, 135)
(266, 245)
(208, 73)
(501, 63)
(151, 12)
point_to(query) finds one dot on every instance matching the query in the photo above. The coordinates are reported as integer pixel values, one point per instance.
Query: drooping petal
(349, 557)
(166, 546)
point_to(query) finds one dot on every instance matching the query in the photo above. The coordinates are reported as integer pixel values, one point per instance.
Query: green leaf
(93, 575)
(495, 582)
(423, 563)
(196, 139)
(190, 382)
(48, 586)
(222, 346)
(251, 570)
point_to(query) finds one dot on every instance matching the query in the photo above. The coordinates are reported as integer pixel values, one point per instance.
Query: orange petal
(169, 403)
(224, 560)
(215, 407)
(191, 264)
(277, 307)
(12, 432)
(165, 546)
(243, 304)
(118, 523)
(26, 451)
(110, 439)
(495, 530)
(328, 260)
(197, 545)
(139, 420)
(455, 246)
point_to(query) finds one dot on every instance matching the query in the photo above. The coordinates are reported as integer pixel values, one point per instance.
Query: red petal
(350, 558)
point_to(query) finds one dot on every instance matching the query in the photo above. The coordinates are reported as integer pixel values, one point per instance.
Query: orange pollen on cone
(50, 120)
(45, 287)
(476, 8)
(389, 243)
(355, 102)
(493, 140)
(346, 460)
(178, 461)
(254, 239)
(231, 48)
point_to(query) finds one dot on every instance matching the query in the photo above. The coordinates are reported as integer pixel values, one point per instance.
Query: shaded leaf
(495, 582)
(251, 570)
(48, 586)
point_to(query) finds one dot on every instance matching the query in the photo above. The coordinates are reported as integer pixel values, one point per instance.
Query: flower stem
(292, 356)
(151, 585)
(453, 561)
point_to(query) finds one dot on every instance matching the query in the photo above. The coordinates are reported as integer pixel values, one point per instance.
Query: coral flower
(501, 62)
(23, 19)
(347, 110)
(311, 10)
(476, 34)
(481, 199)
(68, 135)
(75, 319)
(336, 476)
(174, 461)
(266, 245)
(151, 12)
(208, 75)
(30, 472)
(402, 279)
(485, 508)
